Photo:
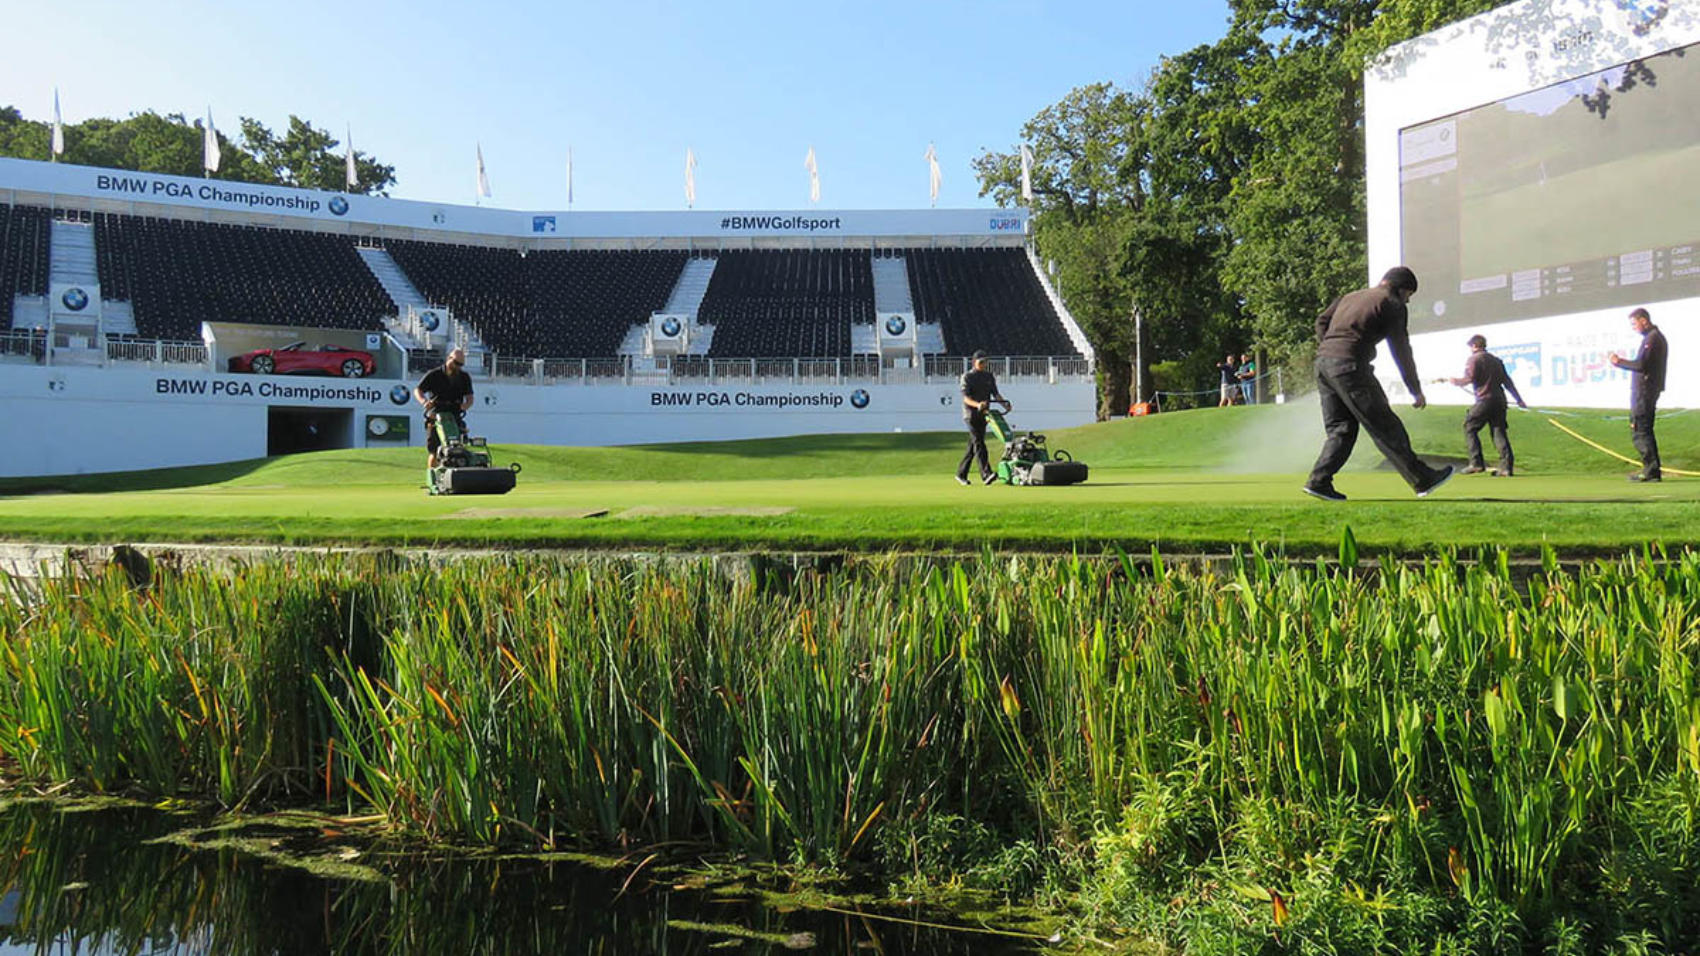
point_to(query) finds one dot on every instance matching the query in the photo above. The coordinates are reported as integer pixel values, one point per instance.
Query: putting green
(1207, 479)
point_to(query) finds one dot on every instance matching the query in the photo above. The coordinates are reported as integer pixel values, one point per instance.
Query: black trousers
(1351, 397)
(976, 447)
(1641, 411)
(1491, 415)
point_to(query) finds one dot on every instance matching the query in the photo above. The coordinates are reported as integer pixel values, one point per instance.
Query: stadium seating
(552, 304)
(23, 256)
(787, 302)
(179, 273)
(985, 299)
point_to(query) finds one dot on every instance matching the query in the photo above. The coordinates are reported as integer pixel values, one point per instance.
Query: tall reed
(1491, 734)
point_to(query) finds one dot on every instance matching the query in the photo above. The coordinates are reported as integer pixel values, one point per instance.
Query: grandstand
(157, 274)
(23, 257)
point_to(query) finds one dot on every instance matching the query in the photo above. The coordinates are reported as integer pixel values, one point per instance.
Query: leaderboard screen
(1578, 196)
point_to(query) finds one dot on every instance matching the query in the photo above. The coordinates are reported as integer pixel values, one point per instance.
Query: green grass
(1207, 479)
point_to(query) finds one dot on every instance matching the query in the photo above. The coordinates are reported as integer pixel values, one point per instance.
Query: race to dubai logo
(1644, 15)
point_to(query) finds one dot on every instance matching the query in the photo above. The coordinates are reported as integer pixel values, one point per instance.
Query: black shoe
(991, 479)
(1643, 476)
(962, 480)
(1472, 470)
(1436, 478)
(1325, 492)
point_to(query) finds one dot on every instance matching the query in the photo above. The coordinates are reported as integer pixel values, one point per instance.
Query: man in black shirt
(1347, 333)
(1646, 381)
(1229, 386)
(445, 389)
(979, 391)
(1486, 376)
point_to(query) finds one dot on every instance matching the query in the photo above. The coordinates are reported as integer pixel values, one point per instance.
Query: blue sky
(749, 86)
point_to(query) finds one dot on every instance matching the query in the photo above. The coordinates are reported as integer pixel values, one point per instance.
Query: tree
(1298, 212)
(304, 157)
(1086, 190)
(172, 144)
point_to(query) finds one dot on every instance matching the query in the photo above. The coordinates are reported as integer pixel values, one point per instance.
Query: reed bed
(1291, 751)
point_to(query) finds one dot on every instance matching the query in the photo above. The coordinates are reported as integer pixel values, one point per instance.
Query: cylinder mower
(463, 463)
(1026, 460)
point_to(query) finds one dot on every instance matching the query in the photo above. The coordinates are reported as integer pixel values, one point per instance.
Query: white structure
(147, 404)
(1536, 166)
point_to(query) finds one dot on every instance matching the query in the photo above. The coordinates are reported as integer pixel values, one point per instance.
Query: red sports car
(298, 359)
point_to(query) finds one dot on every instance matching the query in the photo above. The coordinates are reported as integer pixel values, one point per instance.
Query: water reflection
(110, 882)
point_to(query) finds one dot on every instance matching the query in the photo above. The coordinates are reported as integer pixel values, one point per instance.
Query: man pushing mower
(458, 464)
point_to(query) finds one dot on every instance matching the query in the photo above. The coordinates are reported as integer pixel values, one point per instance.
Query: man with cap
(1347, 333)
(1486, 376)
(1646, 381)
(979, 391)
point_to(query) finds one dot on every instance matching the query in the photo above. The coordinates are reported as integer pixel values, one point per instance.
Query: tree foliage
(153, 143)
(1225, 200)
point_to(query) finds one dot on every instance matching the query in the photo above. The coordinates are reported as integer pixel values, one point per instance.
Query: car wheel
(353, 368)
(262, 365)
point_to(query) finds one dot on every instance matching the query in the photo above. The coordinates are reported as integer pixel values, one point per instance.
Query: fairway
(1190, 481)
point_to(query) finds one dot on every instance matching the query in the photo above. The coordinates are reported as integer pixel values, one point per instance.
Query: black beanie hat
(1401, 277)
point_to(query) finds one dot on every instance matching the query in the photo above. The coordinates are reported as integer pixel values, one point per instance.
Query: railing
(25, 343)
(155, 352)
(702, 369)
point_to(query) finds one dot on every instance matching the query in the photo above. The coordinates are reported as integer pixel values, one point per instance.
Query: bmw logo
(75, 299)
(429, 320)
(670, 326)
(859, 398)
(895, 325)
(398, 395)
(339, 206)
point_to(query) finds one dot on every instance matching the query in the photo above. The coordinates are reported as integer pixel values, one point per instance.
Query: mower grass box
(1026, 460)
(463, 464)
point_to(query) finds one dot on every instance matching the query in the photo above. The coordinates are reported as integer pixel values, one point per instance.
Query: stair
(687, 294)
(29, 312)
(864, 338)
(891, 285)
(401, 290)
(929, 338)
(1070, 326)
(71, 255)
(394, 281)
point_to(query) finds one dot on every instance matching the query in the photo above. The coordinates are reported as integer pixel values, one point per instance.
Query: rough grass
(1205, 479)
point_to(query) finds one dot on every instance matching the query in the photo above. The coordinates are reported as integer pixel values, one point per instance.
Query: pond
(139, 880)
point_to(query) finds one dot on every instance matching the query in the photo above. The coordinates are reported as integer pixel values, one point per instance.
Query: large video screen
(1578, 196)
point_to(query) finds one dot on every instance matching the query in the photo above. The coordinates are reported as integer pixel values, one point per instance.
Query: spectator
(1248, 378)
(1230, 387)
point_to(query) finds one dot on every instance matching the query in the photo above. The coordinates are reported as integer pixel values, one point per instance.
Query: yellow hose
(1624, 458)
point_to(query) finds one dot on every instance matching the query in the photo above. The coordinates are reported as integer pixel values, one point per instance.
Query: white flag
(483, 180)
(690, 178)
(1026, 173)
(209, 145)
(569, 177)
(58, 126)
(349, 175)
(934, 177)
(814, 175)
